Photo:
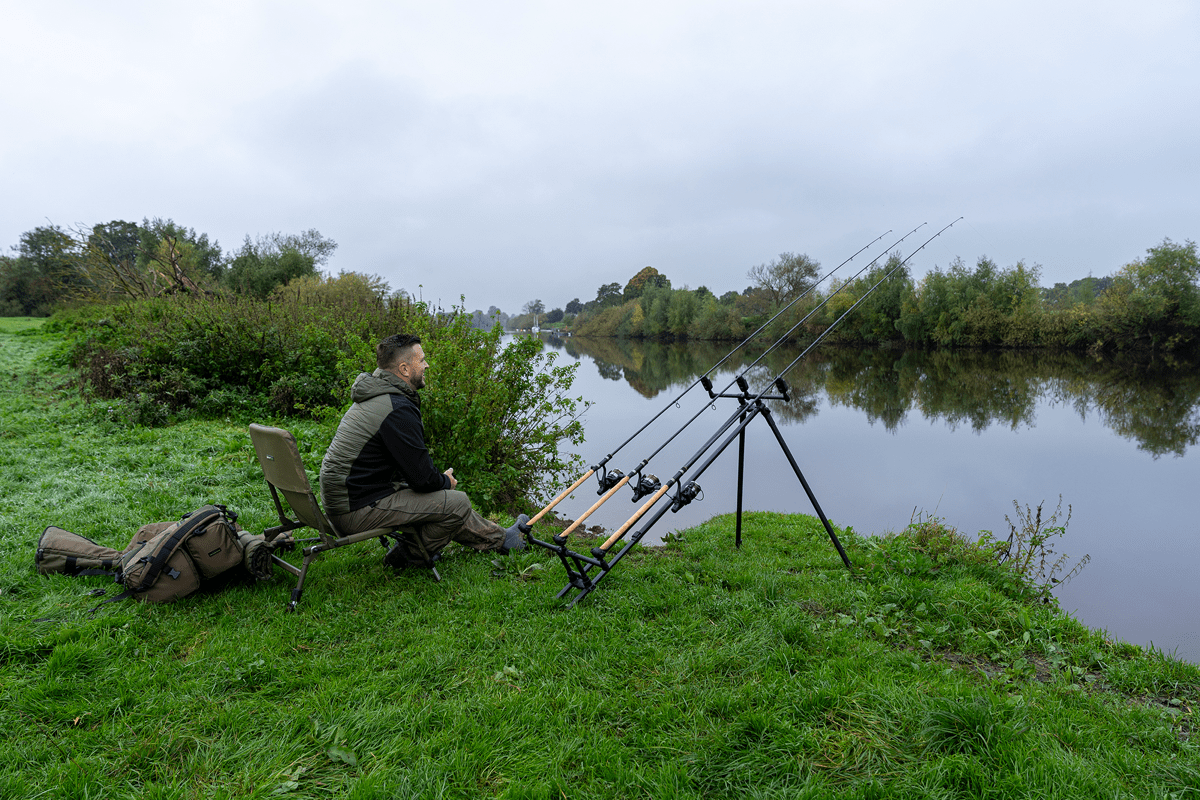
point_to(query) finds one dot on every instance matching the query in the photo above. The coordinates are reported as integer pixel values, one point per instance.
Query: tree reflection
(1153, 402)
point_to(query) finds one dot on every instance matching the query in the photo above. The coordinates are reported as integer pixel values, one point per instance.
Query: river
(883, 435)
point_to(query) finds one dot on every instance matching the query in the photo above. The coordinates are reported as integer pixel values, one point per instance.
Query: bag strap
(125, 595)
(189, 524)
(75, 572)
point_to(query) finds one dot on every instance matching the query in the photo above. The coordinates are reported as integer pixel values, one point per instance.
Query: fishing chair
(284, 471)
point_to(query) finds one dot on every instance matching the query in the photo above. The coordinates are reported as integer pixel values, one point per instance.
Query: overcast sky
(521, 150)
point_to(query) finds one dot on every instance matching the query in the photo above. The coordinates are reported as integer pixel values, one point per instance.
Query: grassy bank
(696, 670)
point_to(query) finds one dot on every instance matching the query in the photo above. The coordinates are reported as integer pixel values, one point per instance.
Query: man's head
(403, 356)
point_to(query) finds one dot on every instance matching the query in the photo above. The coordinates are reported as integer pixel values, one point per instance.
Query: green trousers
(437, 517)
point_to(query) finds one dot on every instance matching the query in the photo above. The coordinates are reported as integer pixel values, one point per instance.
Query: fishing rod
(857, 302)
(703, 379)
(740, 380)
(746, 400)
(741, 344)
(604, 461)
(609, 482)
(783, 338)
(746, 413)
(582, 569)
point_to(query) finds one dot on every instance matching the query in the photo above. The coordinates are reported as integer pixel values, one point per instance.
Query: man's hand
(450, 474)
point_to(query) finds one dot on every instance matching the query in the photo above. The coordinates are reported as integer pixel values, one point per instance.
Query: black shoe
(514, 537)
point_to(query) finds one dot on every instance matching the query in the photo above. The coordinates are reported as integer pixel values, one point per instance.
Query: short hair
(394, 349)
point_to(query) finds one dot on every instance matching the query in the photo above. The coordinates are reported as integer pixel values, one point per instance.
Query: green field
(695, 670)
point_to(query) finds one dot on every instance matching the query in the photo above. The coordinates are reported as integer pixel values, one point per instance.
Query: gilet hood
(373, 384)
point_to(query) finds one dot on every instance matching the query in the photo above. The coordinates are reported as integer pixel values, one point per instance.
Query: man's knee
(458, 504)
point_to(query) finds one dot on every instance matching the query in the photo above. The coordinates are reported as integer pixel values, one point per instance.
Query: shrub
(496, 414)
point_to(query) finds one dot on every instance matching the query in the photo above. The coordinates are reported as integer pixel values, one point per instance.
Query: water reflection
(1153, 402)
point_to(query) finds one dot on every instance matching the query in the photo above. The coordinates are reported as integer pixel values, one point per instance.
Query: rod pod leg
(807, 489)
(737, 542)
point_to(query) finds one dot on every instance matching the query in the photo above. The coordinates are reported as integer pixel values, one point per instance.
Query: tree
(203, 257)
(680, 311)
(274, 259)
(608, 294)
(786, 277)
(122, 259)
(535, 307)
(1154, 298)
(753, 303)
(554, 315)
(574, 307)
(117, 239)
(1167, 279)
(112, 261)
(875, 318)
(648, 276)
(41, 273)
(497, 316)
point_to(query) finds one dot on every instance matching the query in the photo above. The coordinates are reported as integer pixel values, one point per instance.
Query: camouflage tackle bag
(165, 560)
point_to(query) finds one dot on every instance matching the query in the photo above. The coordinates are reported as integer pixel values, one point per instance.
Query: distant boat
(536, 329)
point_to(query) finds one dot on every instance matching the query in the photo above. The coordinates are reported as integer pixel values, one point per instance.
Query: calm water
(881, 434)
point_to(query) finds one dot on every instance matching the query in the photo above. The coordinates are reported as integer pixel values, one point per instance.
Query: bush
(496, 414)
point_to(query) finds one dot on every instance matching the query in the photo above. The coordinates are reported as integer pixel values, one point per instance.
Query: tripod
(585, 571)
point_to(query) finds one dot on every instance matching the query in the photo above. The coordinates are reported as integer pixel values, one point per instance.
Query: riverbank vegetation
(696, 670)
(1153, 400)
(496, 413)
(1153, 303)
(161, 325)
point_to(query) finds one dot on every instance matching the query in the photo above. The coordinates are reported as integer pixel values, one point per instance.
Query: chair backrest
(284, 471)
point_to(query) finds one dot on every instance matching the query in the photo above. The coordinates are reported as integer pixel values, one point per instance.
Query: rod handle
(637, 515)
(562, 496)
(624, 480)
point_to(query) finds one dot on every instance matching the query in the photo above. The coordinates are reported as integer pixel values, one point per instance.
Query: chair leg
(309, 557)
(415, 538)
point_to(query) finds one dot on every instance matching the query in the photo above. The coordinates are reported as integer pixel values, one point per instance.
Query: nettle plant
(1031, 547)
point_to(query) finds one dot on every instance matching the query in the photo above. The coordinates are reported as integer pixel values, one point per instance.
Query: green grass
(695, 670)
(20, 324)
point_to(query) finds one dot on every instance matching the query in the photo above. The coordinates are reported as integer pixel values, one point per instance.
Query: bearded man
(378, 473)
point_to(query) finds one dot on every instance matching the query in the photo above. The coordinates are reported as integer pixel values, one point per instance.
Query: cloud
(541, 149)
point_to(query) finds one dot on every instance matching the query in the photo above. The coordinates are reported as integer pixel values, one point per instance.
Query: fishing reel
(647, 484)
(685, 495)
(608, 480)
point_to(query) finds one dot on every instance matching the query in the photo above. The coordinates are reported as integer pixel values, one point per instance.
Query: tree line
(52, 265)
(160, 325)
(1151, 303)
